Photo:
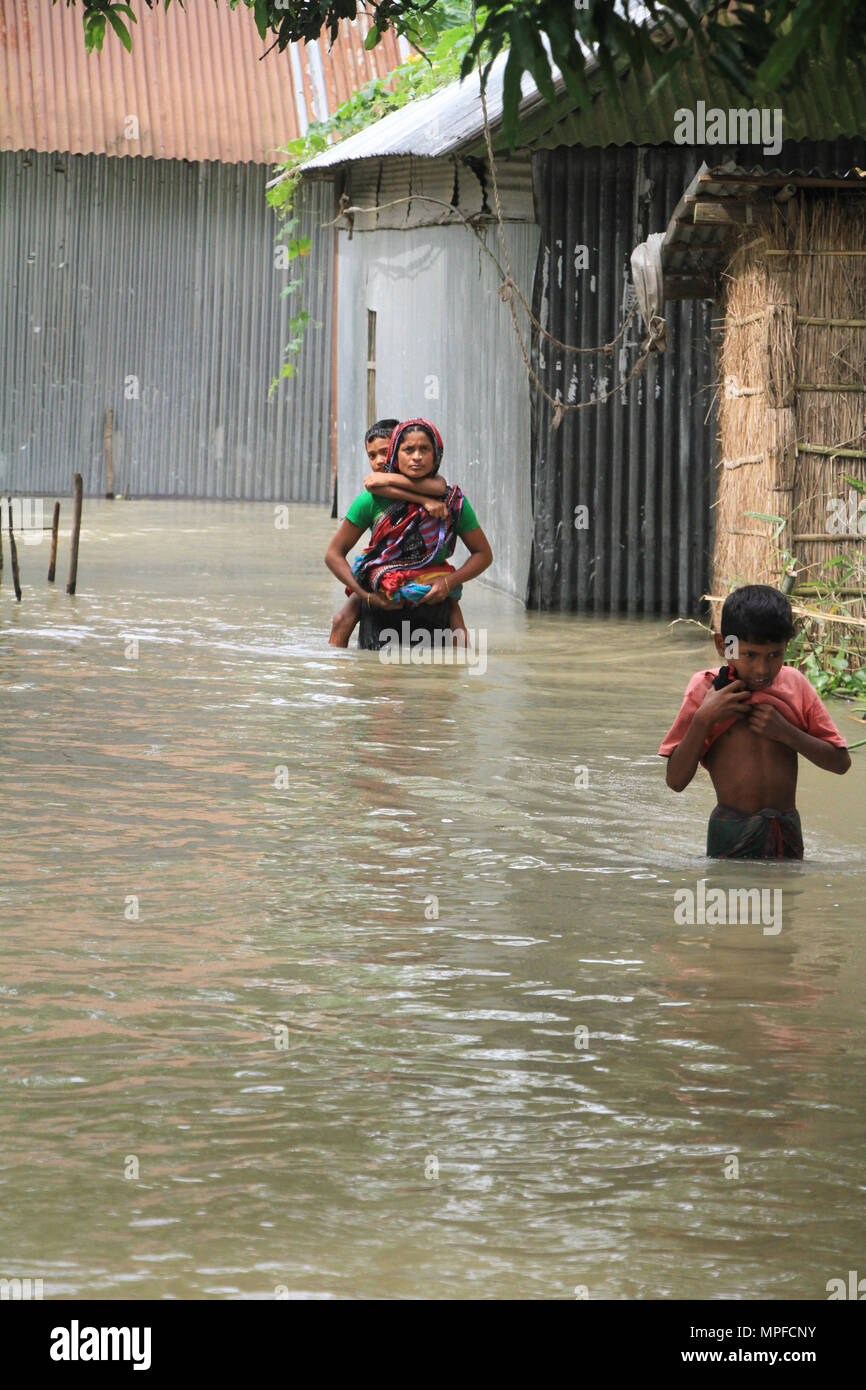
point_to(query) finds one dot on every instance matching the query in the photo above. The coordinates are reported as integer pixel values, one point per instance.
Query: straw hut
(790, 258)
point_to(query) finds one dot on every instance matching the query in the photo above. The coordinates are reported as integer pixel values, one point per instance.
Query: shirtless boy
(427, 491)
(748, 733)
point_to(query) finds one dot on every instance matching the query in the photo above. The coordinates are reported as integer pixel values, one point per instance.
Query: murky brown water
(288, 1042)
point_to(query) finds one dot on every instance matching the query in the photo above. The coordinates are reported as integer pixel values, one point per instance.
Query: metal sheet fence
(445, 349)
(641, 462)
(151, 288)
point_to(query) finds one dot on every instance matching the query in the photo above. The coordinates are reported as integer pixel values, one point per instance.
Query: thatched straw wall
(772, 416)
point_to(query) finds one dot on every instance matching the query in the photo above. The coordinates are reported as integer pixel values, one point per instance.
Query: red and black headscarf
(403, 428)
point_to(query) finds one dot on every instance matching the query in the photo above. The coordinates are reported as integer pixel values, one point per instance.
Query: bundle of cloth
(401, 558)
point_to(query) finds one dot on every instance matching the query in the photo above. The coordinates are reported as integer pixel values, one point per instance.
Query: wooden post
(52, 558)
(13, 556)
(108, 449)
(77, 491)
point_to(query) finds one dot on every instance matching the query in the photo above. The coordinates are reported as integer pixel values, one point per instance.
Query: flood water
(321, 978)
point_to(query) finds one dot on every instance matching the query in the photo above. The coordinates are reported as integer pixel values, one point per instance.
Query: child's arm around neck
(397, 486)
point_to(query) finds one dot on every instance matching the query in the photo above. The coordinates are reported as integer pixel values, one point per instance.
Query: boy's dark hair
(383, 429)
(757, 612)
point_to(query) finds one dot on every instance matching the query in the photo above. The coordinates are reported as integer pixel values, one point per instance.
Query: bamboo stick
(806, 612)
(77, 492)
(13, 556)
(821, 590)
(789, 580)
(778, 251)
(828, 536)
(52, 558)
(830, 323)
(830, 451)
(827, 386)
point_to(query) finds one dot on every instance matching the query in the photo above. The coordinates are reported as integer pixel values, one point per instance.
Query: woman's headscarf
(403, 428)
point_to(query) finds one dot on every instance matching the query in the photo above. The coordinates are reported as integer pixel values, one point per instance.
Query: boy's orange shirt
(791, 693)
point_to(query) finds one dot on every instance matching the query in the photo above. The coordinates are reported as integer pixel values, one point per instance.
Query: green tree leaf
(119, 27)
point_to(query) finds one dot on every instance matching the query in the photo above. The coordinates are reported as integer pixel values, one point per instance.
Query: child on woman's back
(394, 487)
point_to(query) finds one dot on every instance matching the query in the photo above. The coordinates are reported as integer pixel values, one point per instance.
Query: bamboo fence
(792, 412)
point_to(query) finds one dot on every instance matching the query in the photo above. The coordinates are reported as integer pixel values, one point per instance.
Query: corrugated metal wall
(642, 462)
(416, 191)
(161, 271)
(445, 349)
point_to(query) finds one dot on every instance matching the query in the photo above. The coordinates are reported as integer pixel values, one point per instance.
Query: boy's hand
(765, 719)
(436, 508)
(377, 479)
(732, 702)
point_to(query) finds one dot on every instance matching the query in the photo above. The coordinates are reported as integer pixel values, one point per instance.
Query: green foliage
(94, 20)
(828, 667)
(416, 78)
(836, 669)
(768, 516)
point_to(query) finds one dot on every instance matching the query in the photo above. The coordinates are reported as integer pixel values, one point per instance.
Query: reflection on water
(291, 932)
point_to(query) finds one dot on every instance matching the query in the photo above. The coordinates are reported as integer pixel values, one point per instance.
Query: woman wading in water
(404, 570)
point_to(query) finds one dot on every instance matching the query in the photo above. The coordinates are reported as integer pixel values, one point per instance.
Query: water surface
(340, 1042)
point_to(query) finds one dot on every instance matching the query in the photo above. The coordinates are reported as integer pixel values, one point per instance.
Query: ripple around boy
(746, 725)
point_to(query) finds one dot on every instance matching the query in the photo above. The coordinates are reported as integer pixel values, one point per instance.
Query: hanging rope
(509, 290)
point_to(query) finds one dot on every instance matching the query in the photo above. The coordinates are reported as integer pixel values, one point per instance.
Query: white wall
(445, 349)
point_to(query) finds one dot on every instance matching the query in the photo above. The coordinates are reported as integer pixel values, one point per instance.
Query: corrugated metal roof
(830, 103)
(437, 125)
(193, 83)
(695, 250)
